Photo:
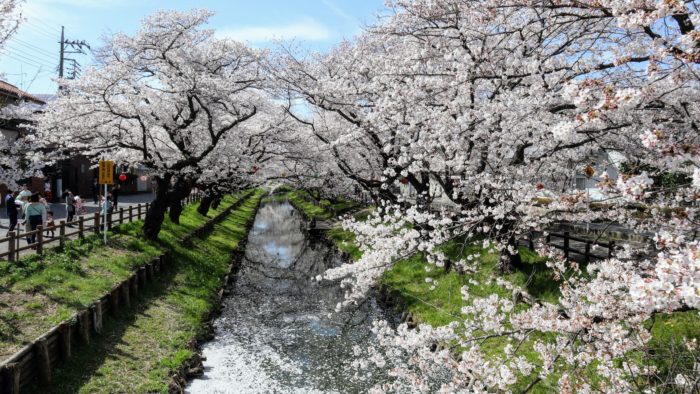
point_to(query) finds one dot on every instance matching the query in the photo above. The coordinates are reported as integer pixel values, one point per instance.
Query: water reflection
(277, 333)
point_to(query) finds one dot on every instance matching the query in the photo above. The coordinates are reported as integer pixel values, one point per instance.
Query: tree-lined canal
(278, 331)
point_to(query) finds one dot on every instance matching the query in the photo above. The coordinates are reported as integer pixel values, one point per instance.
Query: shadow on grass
(87, 359)
(539, 280)
(8, 325)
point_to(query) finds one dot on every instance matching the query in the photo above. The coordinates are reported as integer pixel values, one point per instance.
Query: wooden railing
(89, 224)
(588, 244)
(36, 361)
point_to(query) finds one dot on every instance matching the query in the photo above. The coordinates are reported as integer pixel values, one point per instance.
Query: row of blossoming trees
(489, 101)
(492, 101)
(186, 106)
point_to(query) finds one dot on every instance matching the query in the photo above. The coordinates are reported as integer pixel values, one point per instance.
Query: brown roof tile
(15, 92)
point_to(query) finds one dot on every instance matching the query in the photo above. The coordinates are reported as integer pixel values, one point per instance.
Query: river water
(278, 332)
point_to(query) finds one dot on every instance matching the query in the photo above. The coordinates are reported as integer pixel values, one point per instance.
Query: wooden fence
(89, 224)
(588, 245)
(36, 361)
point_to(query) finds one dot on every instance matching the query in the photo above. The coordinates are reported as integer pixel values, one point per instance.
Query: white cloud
(305, 30)
(340, 12)
(85, 3)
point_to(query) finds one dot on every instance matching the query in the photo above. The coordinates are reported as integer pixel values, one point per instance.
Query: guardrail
(79, 227)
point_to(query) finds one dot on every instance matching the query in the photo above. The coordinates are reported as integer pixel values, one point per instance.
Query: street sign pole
(105, 216)
(106, 178)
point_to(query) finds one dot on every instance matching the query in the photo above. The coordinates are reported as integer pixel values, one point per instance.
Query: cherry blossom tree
(10, 18)
(172, 98)
(17, 159)
(493, 101)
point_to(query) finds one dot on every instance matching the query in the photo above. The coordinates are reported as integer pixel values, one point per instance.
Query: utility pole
(60, 63)
(77, 47)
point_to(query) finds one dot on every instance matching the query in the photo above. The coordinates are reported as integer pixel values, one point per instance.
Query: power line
(37, 31)
(21, 47)
(42, 59)
(23, 59)
(43, 29)
(46, 24)
(34, 47)
(29, 57)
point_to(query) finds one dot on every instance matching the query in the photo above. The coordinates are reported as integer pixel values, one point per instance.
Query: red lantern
(122, 177)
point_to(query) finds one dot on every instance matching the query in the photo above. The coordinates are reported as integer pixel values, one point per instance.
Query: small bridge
(321, 225)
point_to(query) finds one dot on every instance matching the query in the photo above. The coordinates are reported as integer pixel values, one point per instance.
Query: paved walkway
(59, 210)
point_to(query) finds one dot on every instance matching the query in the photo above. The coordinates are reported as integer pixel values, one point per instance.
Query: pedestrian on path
(115, 194)
(50, 224)
(95, 191)
(11, 209)
(44, 201)
(35, 212)
(48, 194)
(23, 199)
(24, 193)
(106, 205)
(79, 206)
(70, 205)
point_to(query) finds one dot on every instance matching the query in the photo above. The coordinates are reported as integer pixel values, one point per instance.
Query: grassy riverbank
(323, 209)
(139, 348)
(438, 301)
(38, 292)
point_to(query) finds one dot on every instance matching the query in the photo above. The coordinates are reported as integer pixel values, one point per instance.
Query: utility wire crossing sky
(31, 57)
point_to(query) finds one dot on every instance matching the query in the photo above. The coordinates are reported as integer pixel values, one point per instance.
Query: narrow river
(278, 332)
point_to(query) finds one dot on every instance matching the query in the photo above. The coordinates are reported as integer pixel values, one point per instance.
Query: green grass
(39, 292)
(321, 210)
(139, 348)
(345, 241)
(439, 302)
(304, 201)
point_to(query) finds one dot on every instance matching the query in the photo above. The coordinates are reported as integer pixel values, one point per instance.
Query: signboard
(106, 172)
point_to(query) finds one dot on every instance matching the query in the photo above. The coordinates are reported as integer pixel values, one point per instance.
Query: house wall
(10, 135)
(76, 175)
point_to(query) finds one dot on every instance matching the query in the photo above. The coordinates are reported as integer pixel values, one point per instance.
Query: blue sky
(30, 58)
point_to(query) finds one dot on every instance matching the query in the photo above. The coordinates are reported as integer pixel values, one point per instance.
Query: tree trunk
(508, 263)
(181, 190)
(175, 210)
(156, 213)
(204, 205)
(215, 203)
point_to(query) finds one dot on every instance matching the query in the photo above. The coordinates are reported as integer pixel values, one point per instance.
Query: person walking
(48, 194)
(79, 206)
(95, 191)
(35, 212)
(70, 205)
(25, 193)
(115, 195)
(11, 209)
(106, 205)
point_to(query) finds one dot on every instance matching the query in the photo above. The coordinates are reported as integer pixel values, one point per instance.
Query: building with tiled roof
(11, 94)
